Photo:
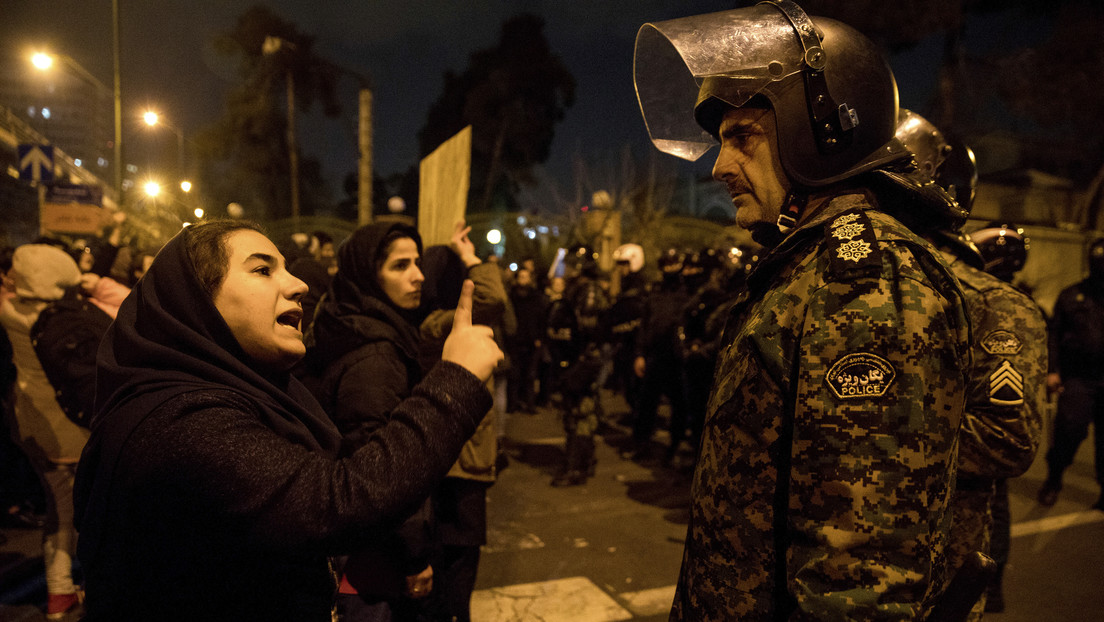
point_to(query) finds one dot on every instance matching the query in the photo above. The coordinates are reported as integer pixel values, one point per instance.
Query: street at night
(610, 550)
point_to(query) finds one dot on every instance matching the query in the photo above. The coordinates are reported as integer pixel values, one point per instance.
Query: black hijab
(444, 278)
(168, 340)
(356, 310)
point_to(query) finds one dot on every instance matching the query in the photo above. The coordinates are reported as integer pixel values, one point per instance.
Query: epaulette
(852, 245)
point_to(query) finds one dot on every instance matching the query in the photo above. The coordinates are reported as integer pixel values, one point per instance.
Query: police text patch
(859, 375)
(1006, 386)
(1001, 342)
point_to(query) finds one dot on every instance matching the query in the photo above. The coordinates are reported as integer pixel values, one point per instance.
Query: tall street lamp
(272, 45)
(153, 119)
(44, 61)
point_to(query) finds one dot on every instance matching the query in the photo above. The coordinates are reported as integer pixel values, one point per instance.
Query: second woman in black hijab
(364, 344)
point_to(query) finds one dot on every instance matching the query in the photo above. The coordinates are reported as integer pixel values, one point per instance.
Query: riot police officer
(575, 329)
(705, 279)
(624, 318)
(1003, 249)
(656, 362)
(1077, 375)
(827, 455)
(1002, 424)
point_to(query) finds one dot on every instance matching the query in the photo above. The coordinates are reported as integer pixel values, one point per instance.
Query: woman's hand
(463, 246)
(421, 584)
(471, 347)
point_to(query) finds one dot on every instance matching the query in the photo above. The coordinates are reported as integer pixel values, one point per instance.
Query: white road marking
(651, 602)
(574, 599)
(1054, 523)
(578, 599)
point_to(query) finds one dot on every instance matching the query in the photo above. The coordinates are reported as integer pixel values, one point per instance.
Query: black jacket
(211, 492)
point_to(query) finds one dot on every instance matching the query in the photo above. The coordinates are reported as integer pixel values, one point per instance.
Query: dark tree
(512, 95)
(1040, 87)
(244, 154)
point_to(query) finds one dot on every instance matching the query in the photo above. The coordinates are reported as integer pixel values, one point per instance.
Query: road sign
(73, 208)
(74, 193)
(36, 162)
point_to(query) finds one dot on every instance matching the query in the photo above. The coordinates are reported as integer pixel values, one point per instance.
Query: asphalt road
(610, 550)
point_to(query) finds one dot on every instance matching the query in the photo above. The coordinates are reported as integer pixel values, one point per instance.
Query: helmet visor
(728, 56)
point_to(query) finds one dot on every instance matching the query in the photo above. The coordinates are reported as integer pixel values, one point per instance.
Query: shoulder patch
(851, 242)
(860, 374)
(1006, 386)
(1001, 342)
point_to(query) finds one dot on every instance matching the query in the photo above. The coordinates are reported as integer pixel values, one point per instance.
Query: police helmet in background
(1003, 247)
(631, 256)
(707, 260)
(671, 260)
(926, 193)
(832, 91)
(959, 173)
(700, 266)
(936, 163)
(582, 260)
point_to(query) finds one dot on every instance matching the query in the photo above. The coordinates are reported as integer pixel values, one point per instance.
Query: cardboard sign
(445, 177)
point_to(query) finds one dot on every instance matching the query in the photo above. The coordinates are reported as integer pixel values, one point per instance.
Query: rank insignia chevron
(1006, 386)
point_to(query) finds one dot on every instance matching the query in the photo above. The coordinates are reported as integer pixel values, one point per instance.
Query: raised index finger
(462, 317)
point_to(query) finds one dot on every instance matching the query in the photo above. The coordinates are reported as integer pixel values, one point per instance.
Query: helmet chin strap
(791, 212)
(770, 235)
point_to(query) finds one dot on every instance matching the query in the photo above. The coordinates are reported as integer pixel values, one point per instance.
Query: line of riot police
(650, 341)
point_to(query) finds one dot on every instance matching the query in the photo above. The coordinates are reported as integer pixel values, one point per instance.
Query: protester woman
(212, 487)
(364, 345)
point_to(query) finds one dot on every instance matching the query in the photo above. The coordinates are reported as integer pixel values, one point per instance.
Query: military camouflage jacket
(843, 366)
(1006, 392)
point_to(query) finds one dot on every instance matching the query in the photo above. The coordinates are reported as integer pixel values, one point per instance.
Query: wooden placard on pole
(445, 177)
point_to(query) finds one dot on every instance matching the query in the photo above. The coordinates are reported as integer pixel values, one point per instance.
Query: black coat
(211, 492)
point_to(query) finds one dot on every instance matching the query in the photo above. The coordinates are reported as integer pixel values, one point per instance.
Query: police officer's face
(749, 166)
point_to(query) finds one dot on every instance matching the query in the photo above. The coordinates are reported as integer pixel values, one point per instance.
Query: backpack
(66, 337)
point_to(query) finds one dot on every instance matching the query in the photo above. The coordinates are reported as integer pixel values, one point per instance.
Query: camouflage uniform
(1005, 398)
(855, 333)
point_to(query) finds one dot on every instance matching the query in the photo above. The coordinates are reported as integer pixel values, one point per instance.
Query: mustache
(736, 187)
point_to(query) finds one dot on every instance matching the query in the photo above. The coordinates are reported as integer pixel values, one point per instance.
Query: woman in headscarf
(212, 487)
(460, 501)
(364, 345)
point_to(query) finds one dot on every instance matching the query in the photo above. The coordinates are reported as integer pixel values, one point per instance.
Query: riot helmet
(959, 173)
(699, 267)
(671, 260)
(582, 260)
(630, 256)
(670, 267)
(928, 146)
(947, 161)
(1003, 247)
(920, 197)
(833, 94)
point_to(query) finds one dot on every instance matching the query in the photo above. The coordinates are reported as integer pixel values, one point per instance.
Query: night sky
(168, 63)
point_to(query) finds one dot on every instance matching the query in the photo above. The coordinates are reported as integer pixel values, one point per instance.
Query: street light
(273, 45)
(44, 61)
(153, 119)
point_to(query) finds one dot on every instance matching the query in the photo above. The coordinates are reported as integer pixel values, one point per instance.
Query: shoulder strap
(852, 245)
